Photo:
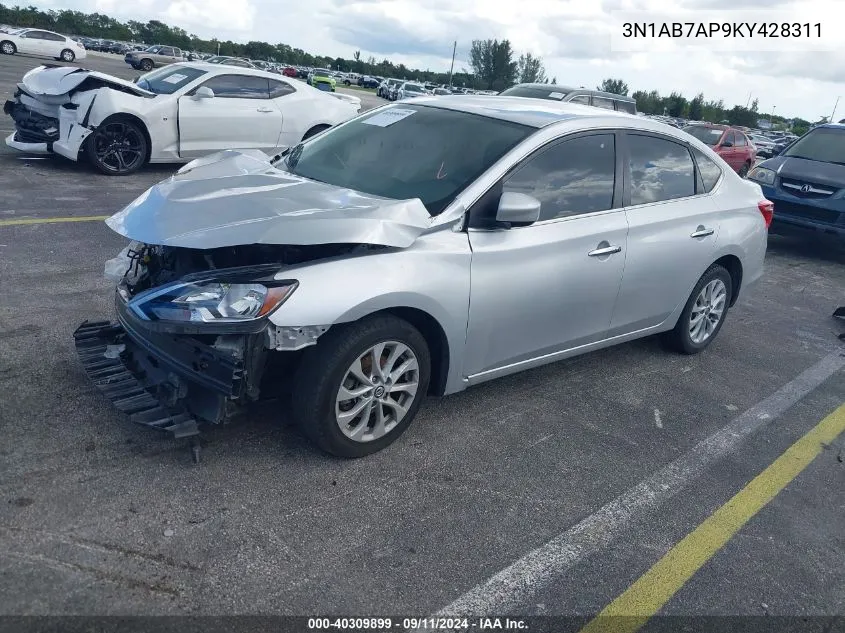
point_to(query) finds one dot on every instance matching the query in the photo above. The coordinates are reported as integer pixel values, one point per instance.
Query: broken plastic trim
(293, 338)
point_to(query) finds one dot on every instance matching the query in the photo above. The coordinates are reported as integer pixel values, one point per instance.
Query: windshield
(169, 79)
(707, 135)
(824, 144)
(408, 152)
(535, 93)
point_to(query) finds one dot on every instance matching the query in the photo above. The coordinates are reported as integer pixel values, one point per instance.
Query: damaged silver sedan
(418, 249)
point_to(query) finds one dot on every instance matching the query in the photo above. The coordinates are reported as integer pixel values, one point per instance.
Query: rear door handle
(606, 250)
(702, 232)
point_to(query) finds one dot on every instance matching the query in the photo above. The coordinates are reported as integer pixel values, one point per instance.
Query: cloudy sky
(572, 36)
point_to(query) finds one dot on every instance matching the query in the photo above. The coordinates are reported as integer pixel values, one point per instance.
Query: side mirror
(727, 144)
(204, 92)
(518, 208)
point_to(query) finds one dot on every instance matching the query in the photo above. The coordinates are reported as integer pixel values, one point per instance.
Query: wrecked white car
(170, 115)
(420, 248)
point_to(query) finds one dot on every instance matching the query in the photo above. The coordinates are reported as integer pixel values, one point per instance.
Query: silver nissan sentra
(419, 248)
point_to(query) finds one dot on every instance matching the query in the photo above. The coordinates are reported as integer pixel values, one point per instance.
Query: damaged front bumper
(36, 133)
(166, 381)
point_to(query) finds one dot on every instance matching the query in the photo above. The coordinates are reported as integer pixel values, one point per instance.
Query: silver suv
(153, 57)
(417, 249)
(554, 92)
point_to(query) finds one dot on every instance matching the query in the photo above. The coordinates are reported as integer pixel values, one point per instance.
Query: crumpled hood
(234, 198)
(60, 80)
(811, 171)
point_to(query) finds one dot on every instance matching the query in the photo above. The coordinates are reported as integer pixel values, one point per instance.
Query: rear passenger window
(601, 102)
(709, 170)
(570, 178)
(279, 88)
(626, 106)
(659, 170)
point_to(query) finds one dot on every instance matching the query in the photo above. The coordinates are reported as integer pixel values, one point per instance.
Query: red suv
(729, 143)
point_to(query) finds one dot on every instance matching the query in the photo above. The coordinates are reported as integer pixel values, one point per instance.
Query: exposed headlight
(211, 301)
(762, 175)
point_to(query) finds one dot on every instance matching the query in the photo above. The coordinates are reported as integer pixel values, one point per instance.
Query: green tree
(616, 86)
(696, 107)
(492, 63)
(530, 69)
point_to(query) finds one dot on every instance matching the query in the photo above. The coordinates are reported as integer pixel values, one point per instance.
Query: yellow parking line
(631, 610)
(79, 218)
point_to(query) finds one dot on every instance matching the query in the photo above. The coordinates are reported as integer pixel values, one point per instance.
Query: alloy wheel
(707, 311)
(119, 147)
(377, 391)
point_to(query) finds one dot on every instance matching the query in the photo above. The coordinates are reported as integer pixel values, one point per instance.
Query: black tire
(146, 65)
(743, 171)
(314, 131)
(67, 55)
(680, 339)
(324, 367)
(115, 140)
(8, 48)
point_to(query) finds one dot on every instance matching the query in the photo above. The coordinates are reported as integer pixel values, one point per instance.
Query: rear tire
(325, 374)
(314, 131)
(8, 48)
(688, 337)
(67, 55)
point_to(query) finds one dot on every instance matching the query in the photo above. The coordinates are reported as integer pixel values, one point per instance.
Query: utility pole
(749, 100)
(452, 67)
(834, 110)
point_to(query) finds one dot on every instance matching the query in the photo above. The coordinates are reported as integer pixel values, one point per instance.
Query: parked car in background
(232, 257)
(386, 87)
(153, 57)
(765, 146)
(806, 181)
(366, 81)
(289, 71)
(322, 79)
(729, 143)
(43, 43)
(442, 91)
(229, 61)
(266, 66)
(172, 114)
(554, 92)
(409, 90)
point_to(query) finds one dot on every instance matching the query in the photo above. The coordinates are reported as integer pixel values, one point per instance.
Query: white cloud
(572, 36)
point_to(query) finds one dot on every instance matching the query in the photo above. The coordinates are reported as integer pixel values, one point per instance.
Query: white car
(170, 115)
(40, 42)
(410, 90)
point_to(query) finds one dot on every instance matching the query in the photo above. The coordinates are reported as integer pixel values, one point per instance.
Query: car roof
(243, 70)
(568, 89)
(524, 110)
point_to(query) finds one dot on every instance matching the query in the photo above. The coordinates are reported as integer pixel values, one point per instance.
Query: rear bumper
(167, 381)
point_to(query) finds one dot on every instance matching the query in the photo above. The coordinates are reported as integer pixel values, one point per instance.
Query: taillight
(767, 208)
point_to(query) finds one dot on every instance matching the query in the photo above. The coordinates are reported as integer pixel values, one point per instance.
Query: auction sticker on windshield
(556, 95)
(388, 117)
(175, 78)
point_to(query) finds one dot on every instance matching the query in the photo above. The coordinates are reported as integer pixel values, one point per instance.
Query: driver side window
(570, 178)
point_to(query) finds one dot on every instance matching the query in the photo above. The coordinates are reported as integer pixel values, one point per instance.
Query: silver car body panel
(505, 299)
(238, 197)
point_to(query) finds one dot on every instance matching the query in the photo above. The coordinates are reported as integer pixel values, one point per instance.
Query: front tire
(67, 55)
(8, 48)
(360, 388)
(118, 147)
(146, 65)
(704, 313)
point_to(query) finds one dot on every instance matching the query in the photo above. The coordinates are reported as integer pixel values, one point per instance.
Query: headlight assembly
(762, 175)
(211, 301)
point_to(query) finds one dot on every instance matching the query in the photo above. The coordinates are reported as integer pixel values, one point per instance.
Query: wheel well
(315, 130)
(438, 345)
(139, 123)
(734, 267)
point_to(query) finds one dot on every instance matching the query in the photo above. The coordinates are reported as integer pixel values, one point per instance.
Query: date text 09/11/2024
(377, 625)
(722, 29)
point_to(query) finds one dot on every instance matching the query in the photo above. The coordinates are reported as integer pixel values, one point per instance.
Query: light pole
(834, 110)
(772, 116)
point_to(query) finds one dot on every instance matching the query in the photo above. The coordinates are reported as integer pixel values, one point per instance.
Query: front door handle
(605, 250)
(265, 109)
(702, 232)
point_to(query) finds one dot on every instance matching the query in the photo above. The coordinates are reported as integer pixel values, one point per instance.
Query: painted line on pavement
(643, 599)
(79, 218)
(515, 585)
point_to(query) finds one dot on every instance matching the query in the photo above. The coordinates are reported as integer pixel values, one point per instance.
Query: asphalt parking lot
(545, 493)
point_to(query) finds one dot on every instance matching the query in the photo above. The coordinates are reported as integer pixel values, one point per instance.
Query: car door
(673, 227)
(240, 115)
(550, 286)
(54, 44)
(728, 150)
(32, 43)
